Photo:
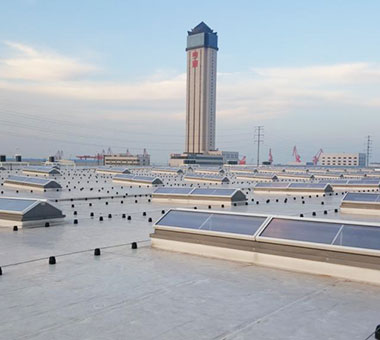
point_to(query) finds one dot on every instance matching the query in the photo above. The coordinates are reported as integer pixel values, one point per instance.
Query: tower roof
(200, 28)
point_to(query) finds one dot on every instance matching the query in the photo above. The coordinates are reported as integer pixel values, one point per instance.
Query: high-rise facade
(202, 47)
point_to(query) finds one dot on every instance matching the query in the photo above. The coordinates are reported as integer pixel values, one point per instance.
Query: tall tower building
(202, 46)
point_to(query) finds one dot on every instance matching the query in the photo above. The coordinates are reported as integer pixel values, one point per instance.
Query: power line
(259, 138)
(369, 149)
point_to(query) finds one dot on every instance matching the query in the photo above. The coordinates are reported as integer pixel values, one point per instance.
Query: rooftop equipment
(300, 188)
(112, 170)
(295, 176)
(24, 212)
(200, 194)
(40, 170)
(134, 179)
(168, 171)
(349, 250)
(210, 171)
(257, 177)
(242, 169)
(31, 183)
(206, 178)
(327, 176)
(351, 184)
(361, 203)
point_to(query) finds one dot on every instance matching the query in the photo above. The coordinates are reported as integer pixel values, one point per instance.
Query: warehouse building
(127, 159)
(343, 159)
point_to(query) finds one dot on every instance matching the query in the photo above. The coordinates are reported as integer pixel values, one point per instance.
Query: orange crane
(317, 156)
(97, 157)
(296, 155)
(243, 160)
(270, 157)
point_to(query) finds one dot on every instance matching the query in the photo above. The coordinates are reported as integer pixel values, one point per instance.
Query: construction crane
(297, 157)
(316, 157)
(242, 161)
(270, 157)
(96, 157)
(58, 155)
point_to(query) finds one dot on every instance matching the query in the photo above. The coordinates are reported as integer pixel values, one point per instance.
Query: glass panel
(244, 225)
(361, 197)
(183, 191)
(334, 181)
(9, 204)
(363, 181)
(223, 192)
(307, 185)
(272, 185)
(359, 237)
(201, 191)
(307, 231)
(40, 169)
(213, 192)
(24, 179)
(144, 178)
(124, 176)
(184, 219)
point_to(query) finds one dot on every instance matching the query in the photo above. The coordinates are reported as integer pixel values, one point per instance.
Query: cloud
(27, 63)
(290, 101)
(336, 74)
(259, 93)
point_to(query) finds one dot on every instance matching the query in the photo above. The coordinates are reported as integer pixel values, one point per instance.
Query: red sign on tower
(195, 59)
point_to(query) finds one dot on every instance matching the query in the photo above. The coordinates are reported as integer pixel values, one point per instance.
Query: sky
(83, 76)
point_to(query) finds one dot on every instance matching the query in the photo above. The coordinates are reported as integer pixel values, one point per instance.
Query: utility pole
(258, 138)
(369, 149)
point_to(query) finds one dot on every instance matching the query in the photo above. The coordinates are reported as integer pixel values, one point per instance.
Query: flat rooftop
(147, 293)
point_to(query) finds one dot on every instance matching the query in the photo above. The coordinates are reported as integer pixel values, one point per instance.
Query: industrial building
(127, 159)
(177, 160)
(343, 159)
(11, 165)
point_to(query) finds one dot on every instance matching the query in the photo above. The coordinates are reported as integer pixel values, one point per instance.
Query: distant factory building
(230, 157)
(201, 50)
(343, 159)
(128, 159)
(10, 165)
